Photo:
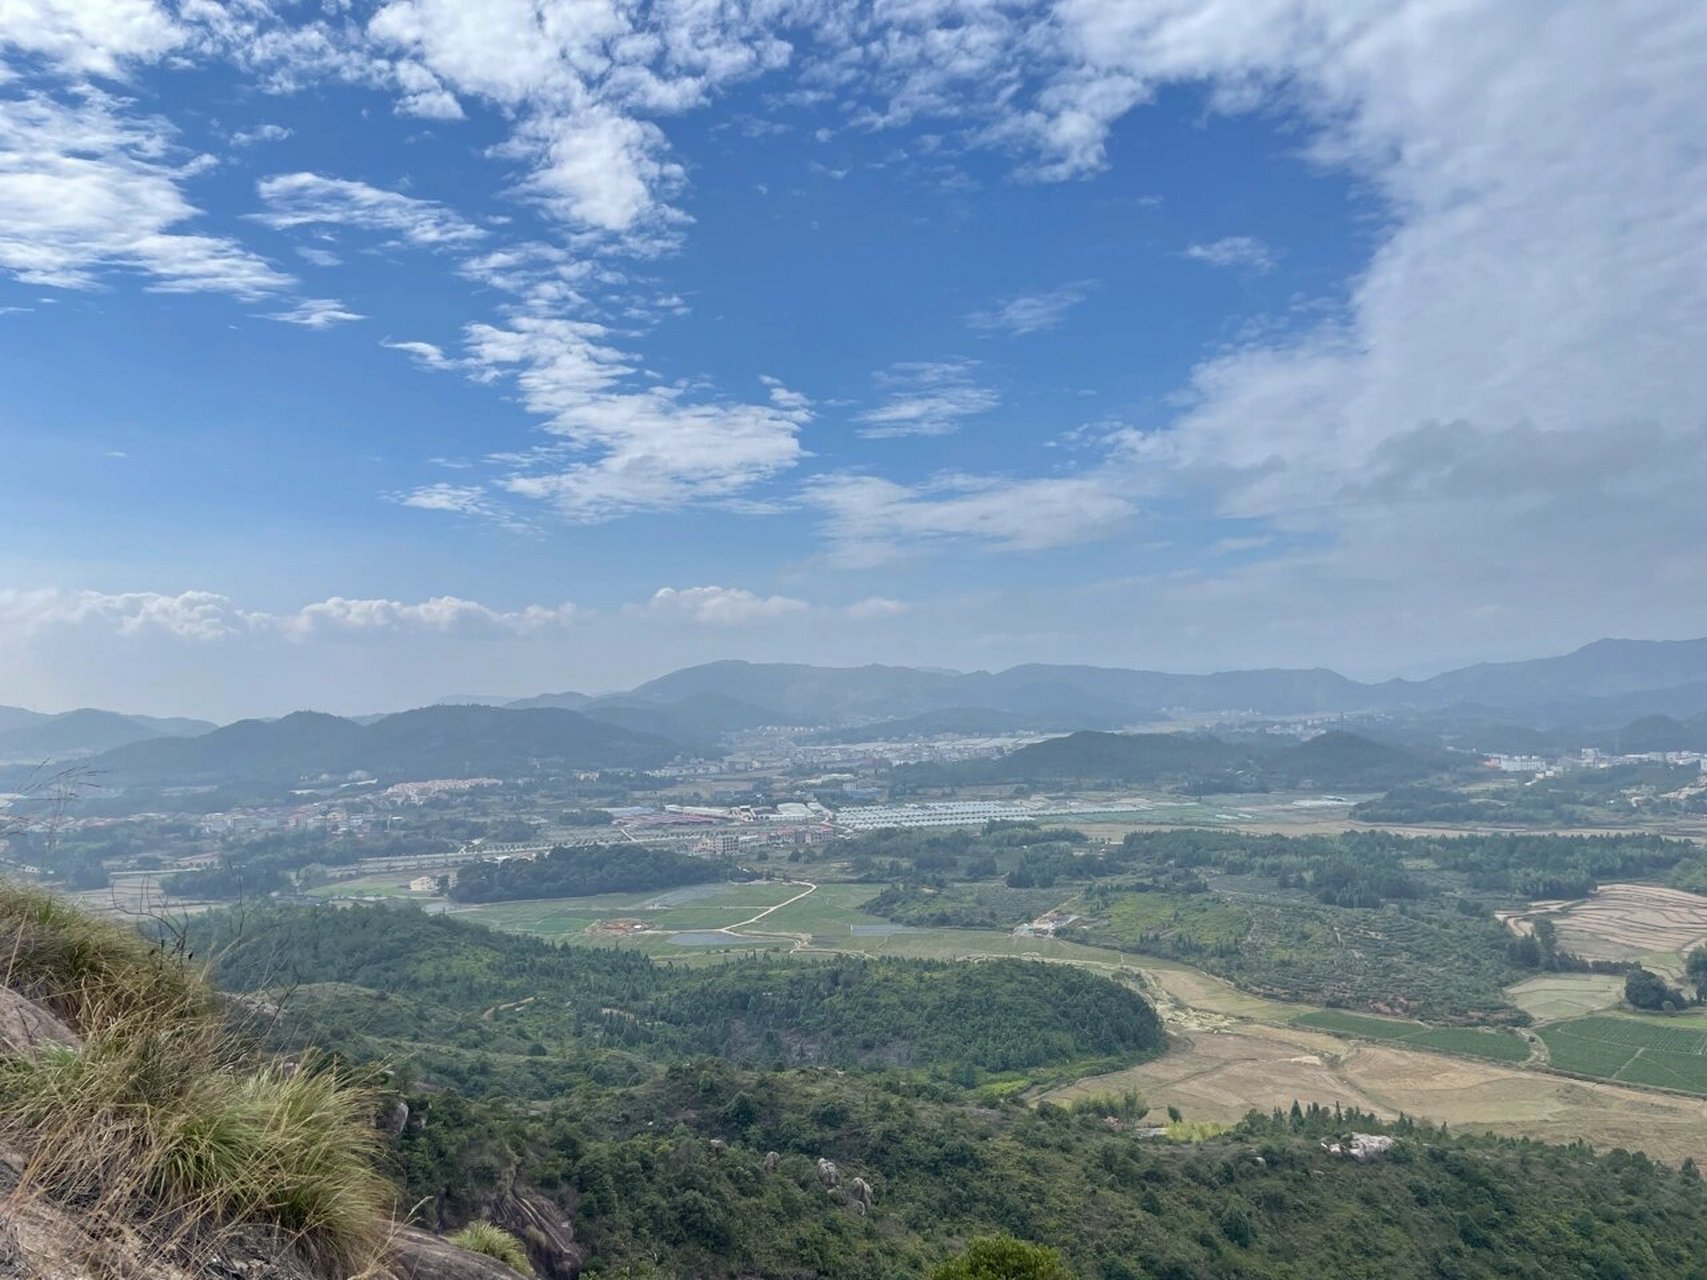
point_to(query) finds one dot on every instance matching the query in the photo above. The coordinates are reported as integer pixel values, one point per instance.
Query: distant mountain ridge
(1604, 677)
(31, 736)
(430, 742)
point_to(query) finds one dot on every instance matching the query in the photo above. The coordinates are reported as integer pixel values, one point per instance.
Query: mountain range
(31, 736)
(1612, 692)
(431, 742)
(1608, 682)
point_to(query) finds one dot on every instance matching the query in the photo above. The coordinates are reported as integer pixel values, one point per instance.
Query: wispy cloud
(1029, 312)
(311, 199)
(1233, 251)
(870, 521)
(87, 190)
(926, 398)
(317, 313)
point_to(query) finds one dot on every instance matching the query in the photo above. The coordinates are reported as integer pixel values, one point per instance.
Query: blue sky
(360, 355)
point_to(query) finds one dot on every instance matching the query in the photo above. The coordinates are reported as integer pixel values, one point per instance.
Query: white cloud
(86, 191)
(653, 448)
(188, 615)
(1029, 312)
(261, 133)
(869, 520)
(1233, 251)
(317, 313)
(319, 257)
(91, 37)
(599, 169)
(310, 199)
(340, 615)
(425, 354)
(720, 606)
(424, 96)
(926, 399)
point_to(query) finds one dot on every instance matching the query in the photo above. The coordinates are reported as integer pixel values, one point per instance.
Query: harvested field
(1220, 1077)
(1629, 921)
(1555, 996)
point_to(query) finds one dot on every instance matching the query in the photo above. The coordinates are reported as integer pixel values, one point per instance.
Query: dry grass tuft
(494, 1242)
(163, 1116)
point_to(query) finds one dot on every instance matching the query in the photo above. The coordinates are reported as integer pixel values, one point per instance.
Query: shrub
(494, 1242)
(1004, 1258)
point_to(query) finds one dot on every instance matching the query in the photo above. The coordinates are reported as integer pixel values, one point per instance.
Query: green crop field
(1501, 1046)
(1357, 1024)
(1632, 1051)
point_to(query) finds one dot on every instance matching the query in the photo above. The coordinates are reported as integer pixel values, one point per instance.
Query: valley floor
(1233, 1051)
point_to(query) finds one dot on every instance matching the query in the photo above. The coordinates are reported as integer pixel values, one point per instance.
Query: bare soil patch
(1219, 1077)
(1627, 921)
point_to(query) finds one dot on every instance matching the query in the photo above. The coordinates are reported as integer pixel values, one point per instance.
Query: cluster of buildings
(1589, 758)
(965, 813)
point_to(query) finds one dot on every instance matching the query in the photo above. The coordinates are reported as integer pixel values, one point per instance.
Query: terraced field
(1631, 1051)
(1499, 1046)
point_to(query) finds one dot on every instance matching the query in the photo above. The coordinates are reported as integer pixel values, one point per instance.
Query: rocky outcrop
(828, 1174)
(1361, 1147)
(25, 1026)
(418, 1255)
(546, 1231)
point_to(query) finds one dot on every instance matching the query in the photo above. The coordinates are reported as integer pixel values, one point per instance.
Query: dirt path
(800, 939)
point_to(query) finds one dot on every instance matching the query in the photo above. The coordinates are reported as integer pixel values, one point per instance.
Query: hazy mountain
(1066, 693)
(1607, 682)
(698, 719)
(1338, 760)
(568, 700)
(806, 694)
(1119, 757)
(958, 720)
(1662, 733)
(432, 742)
(1604, 669)
(18, 718)
(84, 732)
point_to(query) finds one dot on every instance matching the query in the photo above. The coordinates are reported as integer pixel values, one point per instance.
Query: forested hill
(581, 871)
(999, 1016)
(432, 742)
(1335, 760)
(674, 1165)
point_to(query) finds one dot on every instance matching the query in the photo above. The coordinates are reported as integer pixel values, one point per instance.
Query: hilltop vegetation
(953, 1020)
(1365, 920)
(1197, 763)
(581, 870)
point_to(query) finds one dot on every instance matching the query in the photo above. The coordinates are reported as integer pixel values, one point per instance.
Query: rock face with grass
(140, 1134)
(25, 1026)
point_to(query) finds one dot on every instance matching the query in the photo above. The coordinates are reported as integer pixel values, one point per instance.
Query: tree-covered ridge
(672, 1177)
(1368, 920)
(581, 871)
(996, 1017)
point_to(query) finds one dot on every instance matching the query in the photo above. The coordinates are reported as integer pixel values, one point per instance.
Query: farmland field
(1554, 996)
(1631, 1050)
(1218, 1077)
(1501, 1046)
(1629, 921)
